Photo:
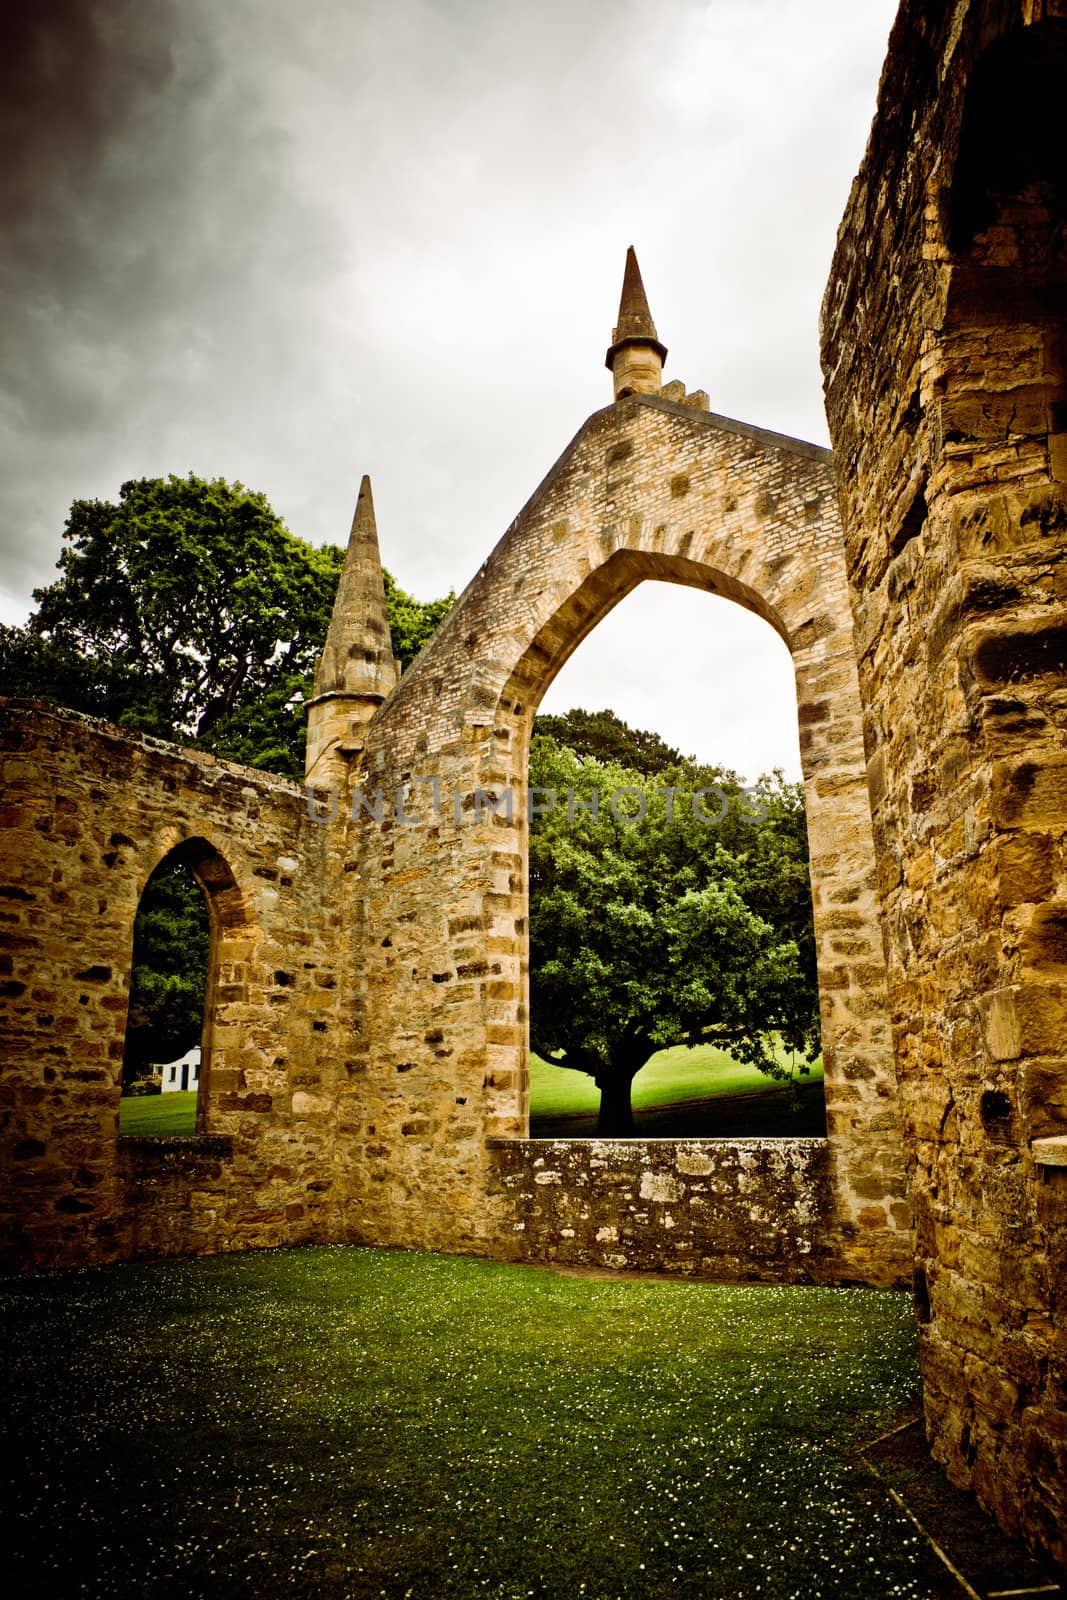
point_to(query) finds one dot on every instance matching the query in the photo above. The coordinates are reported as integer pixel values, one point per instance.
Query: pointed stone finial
(356, 669)
(636, 357)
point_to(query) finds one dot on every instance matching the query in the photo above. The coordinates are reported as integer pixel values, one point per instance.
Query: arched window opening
(164, 1067)
(672, 950)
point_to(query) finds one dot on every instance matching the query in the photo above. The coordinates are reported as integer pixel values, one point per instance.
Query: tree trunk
(616, 1118)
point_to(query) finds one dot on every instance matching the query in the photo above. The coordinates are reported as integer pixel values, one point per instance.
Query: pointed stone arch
(649, 488)
(229, 922)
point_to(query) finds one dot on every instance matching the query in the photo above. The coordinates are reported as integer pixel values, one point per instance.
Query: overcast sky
(289, 244)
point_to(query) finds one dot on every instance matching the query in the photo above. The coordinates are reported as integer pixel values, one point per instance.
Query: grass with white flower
(344, 1423)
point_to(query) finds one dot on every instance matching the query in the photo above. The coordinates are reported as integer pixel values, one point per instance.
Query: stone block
(1041, 1011)
(1044, 943)
(1050, 1151)
(1024, 867)
(1030, 792)
(1000, 1025)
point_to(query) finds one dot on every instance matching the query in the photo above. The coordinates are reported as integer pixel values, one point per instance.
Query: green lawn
(672, 1076)
(158, 1113)
(340, 1423)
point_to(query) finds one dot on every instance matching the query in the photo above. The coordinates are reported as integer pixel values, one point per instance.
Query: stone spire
(356, 669)
(636, 356)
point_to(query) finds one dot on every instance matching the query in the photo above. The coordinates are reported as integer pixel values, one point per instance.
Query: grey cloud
(293, 243)
(146, 222)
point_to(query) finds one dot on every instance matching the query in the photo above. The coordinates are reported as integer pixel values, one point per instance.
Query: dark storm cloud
(78, 82)
(293, 243)
(141, 203)
(235, 234)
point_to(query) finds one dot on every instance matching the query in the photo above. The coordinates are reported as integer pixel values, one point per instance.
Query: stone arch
(212, 871)
(823, 714)
(576, 618)
(650, 488)
(583, 610)
(228, 920)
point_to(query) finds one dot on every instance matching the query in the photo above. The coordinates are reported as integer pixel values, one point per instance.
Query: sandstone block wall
(946, 377)
(366, 1038)
(736, 1210)
(87, 814)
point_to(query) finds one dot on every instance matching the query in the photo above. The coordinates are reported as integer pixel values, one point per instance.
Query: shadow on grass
(761, 1114)
(954, 1523)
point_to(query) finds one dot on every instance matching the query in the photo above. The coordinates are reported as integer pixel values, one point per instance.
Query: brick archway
(649, 488)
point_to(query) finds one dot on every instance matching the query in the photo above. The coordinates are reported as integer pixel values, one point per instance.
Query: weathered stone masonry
(945, 354)
(88, 813)
(367, 1038)
(723, 1208)
(366, 1032)
(649, 488)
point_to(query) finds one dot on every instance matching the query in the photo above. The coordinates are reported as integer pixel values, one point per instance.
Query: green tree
(641, 931)
(171, 938)
(605, 737)
(189, 611)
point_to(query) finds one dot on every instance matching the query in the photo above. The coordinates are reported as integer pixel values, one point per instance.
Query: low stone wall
(727, 1209)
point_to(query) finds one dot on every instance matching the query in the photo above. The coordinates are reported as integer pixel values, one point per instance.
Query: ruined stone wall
(308, 1132)
(366, 1038)
(648, 489)
(737, 1210)
(946, 381)
(87, 813)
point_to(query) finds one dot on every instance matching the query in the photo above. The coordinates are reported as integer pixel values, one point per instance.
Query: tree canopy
(604, 736)
(677, 912)
(189, 611)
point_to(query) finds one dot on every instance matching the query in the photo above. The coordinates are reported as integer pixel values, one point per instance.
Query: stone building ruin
(945, 357)
(364, 1072)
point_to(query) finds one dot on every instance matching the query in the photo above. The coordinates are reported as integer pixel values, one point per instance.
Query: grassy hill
(680, 1093)
(674, 1075)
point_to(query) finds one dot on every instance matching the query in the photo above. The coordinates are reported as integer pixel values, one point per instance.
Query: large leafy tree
(188, 610)
(606, 737)
(655, 921)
